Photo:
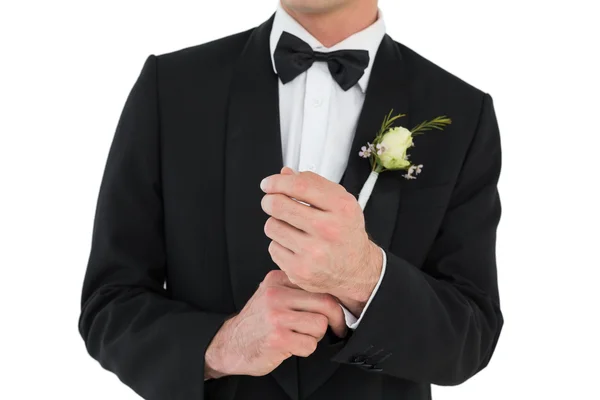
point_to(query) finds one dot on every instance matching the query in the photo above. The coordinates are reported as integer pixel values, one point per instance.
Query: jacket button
(372, 367)
(385, 357)
(358, 360)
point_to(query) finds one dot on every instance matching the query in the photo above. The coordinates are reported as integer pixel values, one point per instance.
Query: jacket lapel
(387, 90)
(253, 152)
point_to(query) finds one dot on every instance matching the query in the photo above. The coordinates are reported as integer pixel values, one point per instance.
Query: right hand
(279, 320)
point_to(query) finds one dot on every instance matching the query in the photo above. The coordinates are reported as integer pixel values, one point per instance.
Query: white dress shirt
(318, 118)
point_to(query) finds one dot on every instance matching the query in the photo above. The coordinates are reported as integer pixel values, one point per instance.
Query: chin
(314, 6)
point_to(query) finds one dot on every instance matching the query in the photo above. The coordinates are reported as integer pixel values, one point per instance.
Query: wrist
(355, 295)
(216, 353)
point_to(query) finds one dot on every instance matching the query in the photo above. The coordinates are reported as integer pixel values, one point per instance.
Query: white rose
(396, 142)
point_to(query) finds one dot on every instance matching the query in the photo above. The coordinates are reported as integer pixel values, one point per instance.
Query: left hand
(323, 248)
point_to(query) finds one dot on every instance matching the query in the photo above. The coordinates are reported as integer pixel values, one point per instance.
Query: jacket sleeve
(153, 343)
(440, 323)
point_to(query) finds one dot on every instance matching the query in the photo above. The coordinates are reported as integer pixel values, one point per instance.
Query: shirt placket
(315, 119)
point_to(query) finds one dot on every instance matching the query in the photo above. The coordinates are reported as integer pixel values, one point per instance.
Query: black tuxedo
(180, 202)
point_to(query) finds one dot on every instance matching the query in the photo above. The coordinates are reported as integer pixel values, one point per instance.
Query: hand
(323, 248)
(280, 320)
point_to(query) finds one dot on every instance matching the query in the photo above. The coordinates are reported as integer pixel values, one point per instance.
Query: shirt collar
(368, 39)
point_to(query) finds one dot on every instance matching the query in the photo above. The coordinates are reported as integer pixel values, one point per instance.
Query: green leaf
(437, 123)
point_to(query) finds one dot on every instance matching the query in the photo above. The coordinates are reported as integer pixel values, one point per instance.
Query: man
(230, 257)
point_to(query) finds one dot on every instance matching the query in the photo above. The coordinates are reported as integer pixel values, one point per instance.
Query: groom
(210, 277)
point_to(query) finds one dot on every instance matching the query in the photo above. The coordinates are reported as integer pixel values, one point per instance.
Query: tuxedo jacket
(178, 243)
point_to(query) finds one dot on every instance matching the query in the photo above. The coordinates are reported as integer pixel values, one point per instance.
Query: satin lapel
(387, 90)
(253, 151)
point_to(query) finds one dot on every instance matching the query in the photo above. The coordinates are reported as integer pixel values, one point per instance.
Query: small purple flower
(413, 169)
(409, 173)
(364, 153)
(380, 149)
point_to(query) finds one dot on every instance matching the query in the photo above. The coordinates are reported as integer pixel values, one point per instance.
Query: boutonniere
(389, 151)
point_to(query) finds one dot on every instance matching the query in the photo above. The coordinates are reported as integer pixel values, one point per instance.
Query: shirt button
(317, 102)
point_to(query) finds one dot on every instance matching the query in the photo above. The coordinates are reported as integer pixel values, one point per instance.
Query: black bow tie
(293, 56)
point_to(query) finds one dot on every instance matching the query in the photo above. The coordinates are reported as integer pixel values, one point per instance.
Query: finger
(300, 300)
(287, 171)
(306, 323)
(299, 344)
(290, 171)
(286, 235)
(277, 277)
(296, 214)
(305, 186)
(282, 256)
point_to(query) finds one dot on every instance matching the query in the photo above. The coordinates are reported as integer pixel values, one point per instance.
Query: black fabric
(293, 56)
(180, 203)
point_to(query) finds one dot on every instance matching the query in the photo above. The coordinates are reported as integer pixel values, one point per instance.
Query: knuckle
(273, 276)
(319, 225)
(300, 184)
(329, 303)
(347, 204)
(272, 295)
(275, 338)
(273, 317)
(330, 232)
(321, 323)
(310, 345)
(317, 253)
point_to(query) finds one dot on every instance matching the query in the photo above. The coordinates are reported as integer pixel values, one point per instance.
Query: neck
(333, 26)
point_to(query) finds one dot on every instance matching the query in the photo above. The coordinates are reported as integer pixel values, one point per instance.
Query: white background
(66, 68)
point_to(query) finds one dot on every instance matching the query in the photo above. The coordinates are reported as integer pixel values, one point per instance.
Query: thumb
(287, 171)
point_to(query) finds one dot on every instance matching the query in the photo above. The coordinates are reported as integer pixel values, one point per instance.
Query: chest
(318, 122)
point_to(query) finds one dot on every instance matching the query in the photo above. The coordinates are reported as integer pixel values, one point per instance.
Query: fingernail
(263, 185)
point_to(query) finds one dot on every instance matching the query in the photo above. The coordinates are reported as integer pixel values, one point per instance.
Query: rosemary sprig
(436, 123)
(387, 123)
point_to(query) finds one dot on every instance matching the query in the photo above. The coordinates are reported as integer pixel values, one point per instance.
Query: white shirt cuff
(351, 321)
